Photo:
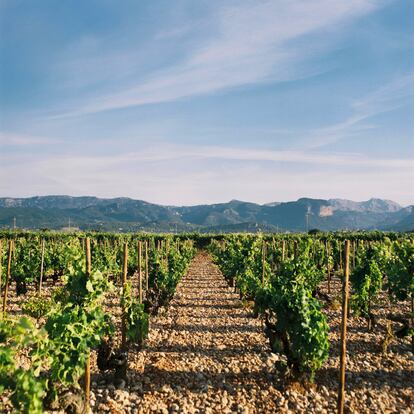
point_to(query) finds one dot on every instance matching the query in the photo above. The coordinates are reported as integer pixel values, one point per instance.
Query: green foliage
(400, 271)
(106, 255)
(79, 324)
(367, 279)
(85, 288)
(37, 306)
(303, 268)
(249, 279)
(241, 260)
(136, 320)
(26, 387)
(60, 295)
(74, 330)
(298, 328)
(167, 264)
(60, 254)
(295, 323)
(76, 323)
(25, 266)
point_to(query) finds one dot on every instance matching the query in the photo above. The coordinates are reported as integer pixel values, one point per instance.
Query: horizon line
(206, 204)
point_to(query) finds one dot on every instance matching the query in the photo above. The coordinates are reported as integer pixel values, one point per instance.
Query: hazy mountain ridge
(132, 215)
(376, 205)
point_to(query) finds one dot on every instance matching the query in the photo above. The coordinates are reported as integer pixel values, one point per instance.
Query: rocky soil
(206, 354)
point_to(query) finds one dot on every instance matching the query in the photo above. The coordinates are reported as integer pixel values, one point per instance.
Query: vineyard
(206, 323)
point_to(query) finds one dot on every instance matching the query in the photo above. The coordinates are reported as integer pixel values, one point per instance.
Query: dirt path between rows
(206, 354)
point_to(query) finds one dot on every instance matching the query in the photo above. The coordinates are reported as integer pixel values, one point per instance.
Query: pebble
(179, 371)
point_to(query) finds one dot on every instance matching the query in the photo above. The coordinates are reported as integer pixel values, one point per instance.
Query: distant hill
(125, 214)
(374, 205)
(406, 223)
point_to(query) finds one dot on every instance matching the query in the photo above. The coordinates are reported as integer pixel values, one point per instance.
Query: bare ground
(206, 354)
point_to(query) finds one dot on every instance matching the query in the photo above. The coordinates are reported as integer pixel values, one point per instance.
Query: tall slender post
(6, 287)
(140, 271)
(88, 256)
(353, 244)
(412, 322)
(146, 265)
(328, 266)
(412, 314)
(283, 250)
(88, 358)
(42, 263)
(345, 288)
(124, 280)
(1, 264)
(263, 261)
(167, 249)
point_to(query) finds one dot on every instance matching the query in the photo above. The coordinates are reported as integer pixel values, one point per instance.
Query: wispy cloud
(21, 140)
(388, 97)
(209, 174)
(392, 95)
(252, 43)
(165, 152)
(186, 153)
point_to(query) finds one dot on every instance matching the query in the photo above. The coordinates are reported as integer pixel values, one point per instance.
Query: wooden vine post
(6, 286)
(412, 322)
(124, 280)
(354, 244)
(295, 249)
(87, 245)
(328, 267)
(345, 288)
(167, 250)
(412, 313)
(42, 264)
(164, 253)
(283, 250)
(313, 248)
(88, 257)
(1, 264)
(263, 262)
(140, 271)
(146, 265)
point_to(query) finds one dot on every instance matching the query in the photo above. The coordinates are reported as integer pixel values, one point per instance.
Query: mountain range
(125, 214)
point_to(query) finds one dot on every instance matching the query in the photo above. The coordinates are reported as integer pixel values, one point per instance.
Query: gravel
(207, 354)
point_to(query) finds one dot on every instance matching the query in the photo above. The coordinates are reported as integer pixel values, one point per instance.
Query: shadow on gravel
(378, 379)
(217, 329)
(207, 286)
(210, 351)
(363, 347)
(216, 306)
(206, 299)
(210, 295)
(202, 382)
(226, 316)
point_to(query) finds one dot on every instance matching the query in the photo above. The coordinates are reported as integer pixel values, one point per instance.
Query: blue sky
(185, 102)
